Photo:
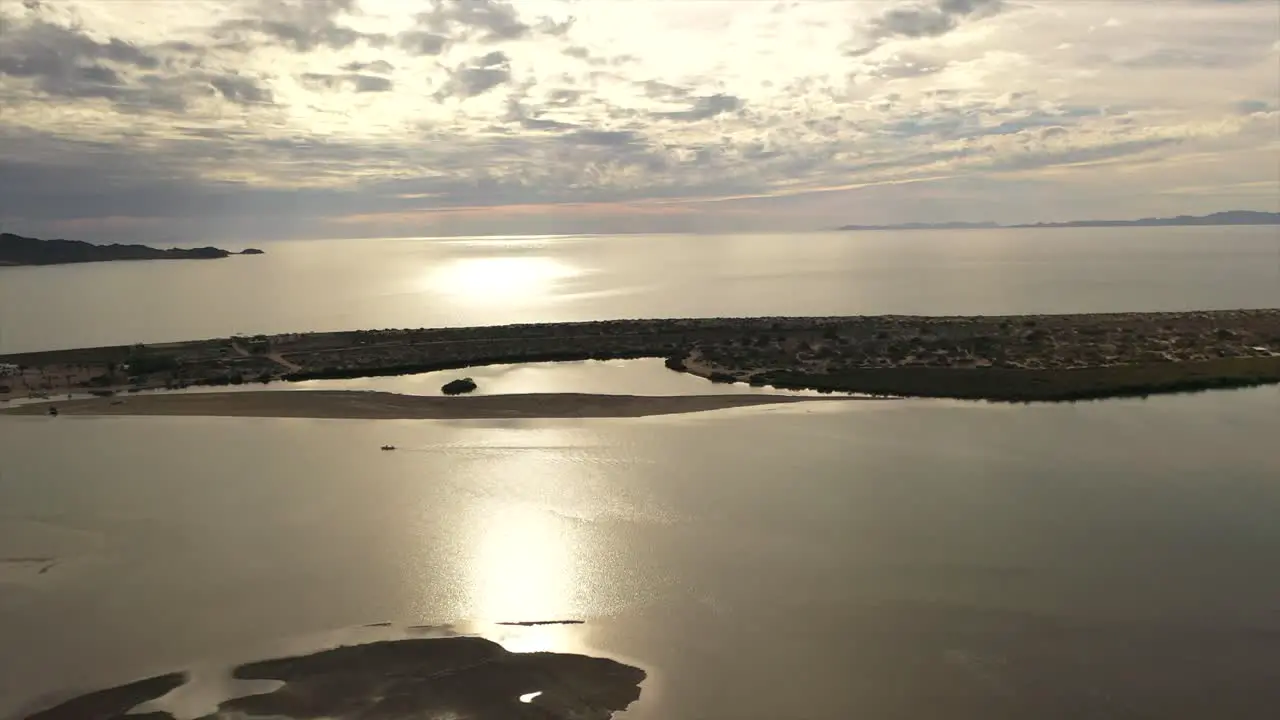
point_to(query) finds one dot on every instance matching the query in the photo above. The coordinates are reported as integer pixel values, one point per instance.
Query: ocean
(362, 284)
(888, 559)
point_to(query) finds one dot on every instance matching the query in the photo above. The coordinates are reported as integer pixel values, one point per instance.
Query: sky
(191, 121)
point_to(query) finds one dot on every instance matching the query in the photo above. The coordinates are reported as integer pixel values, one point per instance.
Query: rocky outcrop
(460, 386)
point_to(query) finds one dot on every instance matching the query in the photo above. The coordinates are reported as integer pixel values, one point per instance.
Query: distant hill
(1230, 217)
(19, 250)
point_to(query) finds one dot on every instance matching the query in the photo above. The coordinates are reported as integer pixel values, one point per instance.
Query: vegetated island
(1012, 358)
(19, 250)
(1230, 217)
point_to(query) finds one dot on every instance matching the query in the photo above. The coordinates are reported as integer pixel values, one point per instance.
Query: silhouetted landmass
(115, 703)
(461, 386)
(1230, 217)
(19, 250)
(436, 678)
(451, 677)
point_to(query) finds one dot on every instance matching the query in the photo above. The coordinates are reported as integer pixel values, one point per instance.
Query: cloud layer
(300, 118)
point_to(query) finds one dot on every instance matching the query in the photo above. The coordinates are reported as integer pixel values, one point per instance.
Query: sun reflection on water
(524, 567)
(500, 280)
(526, 558)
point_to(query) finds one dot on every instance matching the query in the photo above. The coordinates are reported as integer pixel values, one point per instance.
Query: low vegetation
(1044, 357)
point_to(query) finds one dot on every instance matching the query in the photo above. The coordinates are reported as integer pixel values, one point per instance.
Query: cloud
(68, 62)
(449, 22)
(243, 117)
(1249, 107)
(906, 65)
(485, 20)
(303, 25)
(421, 42)
(1165, 58)
(382, 67)
(607, 138)
(241, 90)
(932, 19)
(579, 52)
(478, 75)
(355, 81)
(562, 97)
(663, 91)
(704, 107)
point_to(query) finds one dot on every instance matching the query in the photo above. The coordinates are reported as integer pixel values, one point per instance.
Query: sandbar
(354, 404)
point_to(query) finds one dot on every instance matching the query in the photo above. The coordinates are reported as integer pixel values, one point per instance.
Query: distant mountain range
(19, 250)
(1230, 217)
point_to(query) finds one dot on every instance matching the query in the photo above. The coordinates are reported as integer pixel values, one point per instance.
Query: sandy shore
(389, 406)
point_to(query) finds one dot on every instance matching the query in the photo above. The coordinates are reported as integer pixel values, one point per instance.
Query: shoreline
(368, 405)
(1001, 358)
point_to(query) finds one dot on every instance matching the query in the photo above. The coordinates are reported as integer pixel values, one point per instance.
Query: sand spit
(115, 703)
(350, 404)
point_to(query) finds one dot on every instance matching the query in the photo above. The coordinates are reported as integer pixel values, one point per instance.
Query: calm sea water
(915, 559)
(880, 559)
(348, 284)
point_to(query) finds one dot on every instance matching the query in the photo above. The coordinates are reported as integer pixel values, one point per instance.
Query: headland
(18, 250)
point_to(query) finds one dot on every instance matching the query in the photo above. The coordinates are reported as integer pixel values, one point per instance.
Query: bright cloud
(327, 117)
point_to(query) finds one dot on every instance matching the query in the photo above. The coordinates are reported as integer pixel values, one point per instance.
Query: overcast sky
(179, 120)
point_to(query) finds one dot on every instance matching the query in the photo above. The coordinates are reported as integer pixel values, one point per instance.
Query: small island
(1021, 358)
(16, 250)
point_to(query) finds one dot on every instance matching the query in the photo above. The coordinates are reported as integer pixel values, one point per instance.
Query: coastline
(364, 405)
(1025, 385)
(1022, 358)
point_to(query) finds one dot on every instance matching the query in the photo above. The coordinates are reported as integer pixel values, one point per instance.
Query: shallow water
(867, 559)
(646, 377)
(357, 284)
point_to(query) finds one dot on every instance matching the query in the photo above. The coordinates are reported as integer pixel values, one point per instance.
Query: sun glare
(500, 280)
(524, 567)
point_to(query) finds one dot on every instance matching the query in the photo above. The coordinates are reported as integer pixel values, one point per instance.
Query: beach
(356, 405)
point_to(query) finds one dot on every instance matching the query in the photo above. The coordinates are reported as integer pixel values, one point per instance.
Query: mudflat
(429, 677)
(351, 404)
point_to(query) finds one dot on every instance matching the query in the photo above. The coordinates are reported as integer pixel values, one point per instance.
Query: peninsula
(1230, 217)
(1010, 358)
(19, 250)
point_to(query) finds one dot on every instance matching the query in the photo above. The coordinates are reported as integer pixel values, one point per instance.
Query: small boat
(388, 447)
